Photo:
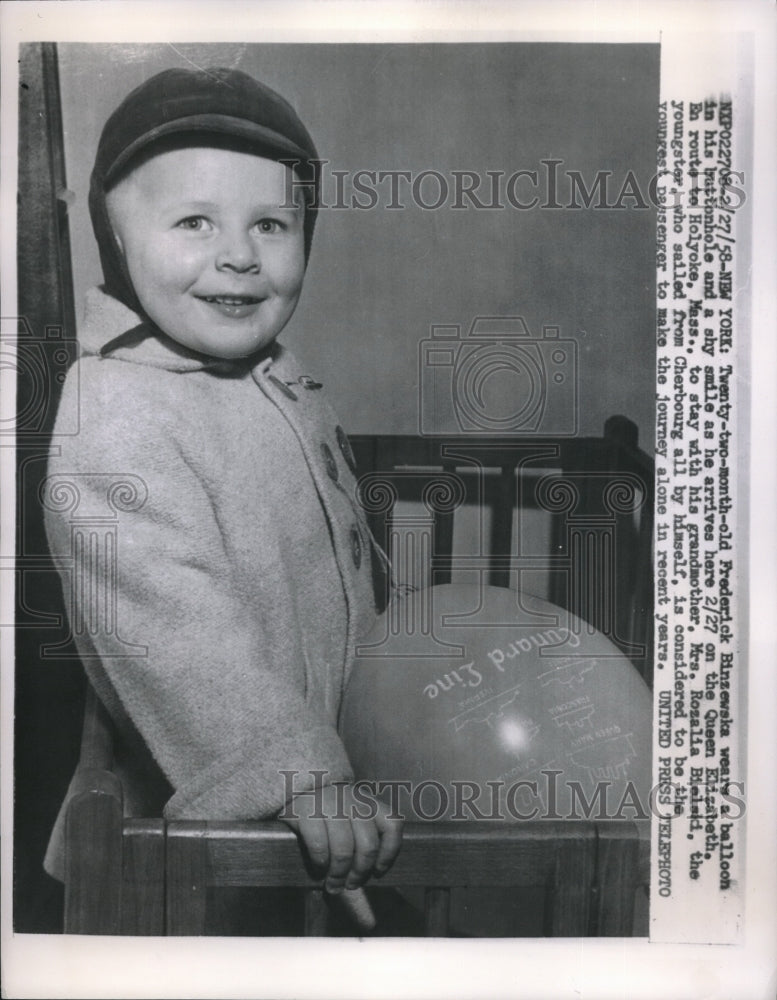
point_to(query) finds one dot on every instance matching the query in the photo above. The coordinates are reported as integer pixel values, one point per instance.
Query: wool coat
(216, 567)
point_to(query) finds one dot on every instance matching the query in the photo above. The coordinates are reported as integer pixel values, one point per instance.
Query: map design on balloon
(489, 710)
(569, 675)
(576, 714)
(606, 760)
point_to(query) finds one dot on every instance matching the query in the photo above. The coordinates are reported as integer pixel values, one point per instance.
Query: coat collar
(106, 319)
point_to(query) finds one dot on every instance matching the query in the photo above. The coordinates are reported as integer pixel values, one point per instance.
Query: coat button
(356, 546)
(329, 462)
(345, 448)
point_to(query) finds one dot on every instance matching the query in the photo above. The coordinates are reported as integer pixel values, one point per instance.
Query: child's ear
(114, 216)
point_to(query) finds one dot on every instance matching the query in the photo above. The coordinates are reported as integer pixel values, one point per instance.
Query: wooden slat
(442, 548)
(643, 858)
(389, 451)
(442, 541)
(188, 878)
(442, 855)
(45, 273)
(616, 879)
(316, 914)
(97, 734)
(437, 912)
(93, 854)
(143, 884)
(569, 904)
(384, 452)
(502, 524)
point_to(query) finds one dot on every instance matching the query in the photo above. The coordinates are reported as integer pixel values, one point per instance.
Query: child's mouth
(234, 306)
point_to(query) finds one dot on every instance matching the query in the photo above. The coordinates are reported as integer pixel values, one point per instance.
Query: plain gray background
(379, 279)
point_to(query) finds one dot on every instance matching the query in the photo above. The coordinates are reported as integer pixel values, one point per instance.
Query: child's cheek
(181, 261)
(292, 271)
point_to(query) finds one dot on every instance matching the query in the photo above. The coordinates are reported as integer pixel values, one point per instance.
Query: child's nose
(238, 252)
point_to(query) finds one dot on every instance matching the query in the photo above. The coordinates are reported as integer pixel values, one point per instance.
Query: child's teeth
(223, 300)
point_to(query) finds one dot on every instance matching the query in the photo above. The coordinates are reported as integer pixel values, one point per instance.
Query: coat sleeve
(212, 677)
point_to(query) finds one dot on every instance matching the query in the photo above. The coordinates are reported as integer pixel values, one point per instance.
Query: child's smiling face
(214, 259)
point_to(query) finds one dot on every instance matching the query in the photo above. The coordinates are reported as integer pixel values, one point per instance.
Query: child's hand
(348, 849)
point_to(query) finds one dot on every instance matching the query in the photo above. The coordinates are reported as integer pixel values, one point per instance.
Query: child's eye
(270, 226)
(194, 223)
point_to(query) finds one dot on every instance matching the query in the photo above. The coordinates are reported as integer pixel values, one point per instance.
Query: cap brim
(264, 138)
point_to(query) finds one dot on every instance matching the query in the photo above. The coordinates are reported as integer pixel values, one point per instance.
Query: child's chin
(241, 352)
(228, 345)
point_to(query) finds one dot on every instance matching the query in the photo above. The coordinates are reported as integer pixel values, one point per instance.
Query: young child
(242, 576)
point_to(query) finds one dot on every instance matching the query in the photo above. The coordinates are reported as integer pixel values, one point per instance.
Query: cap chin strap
(135, 335)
